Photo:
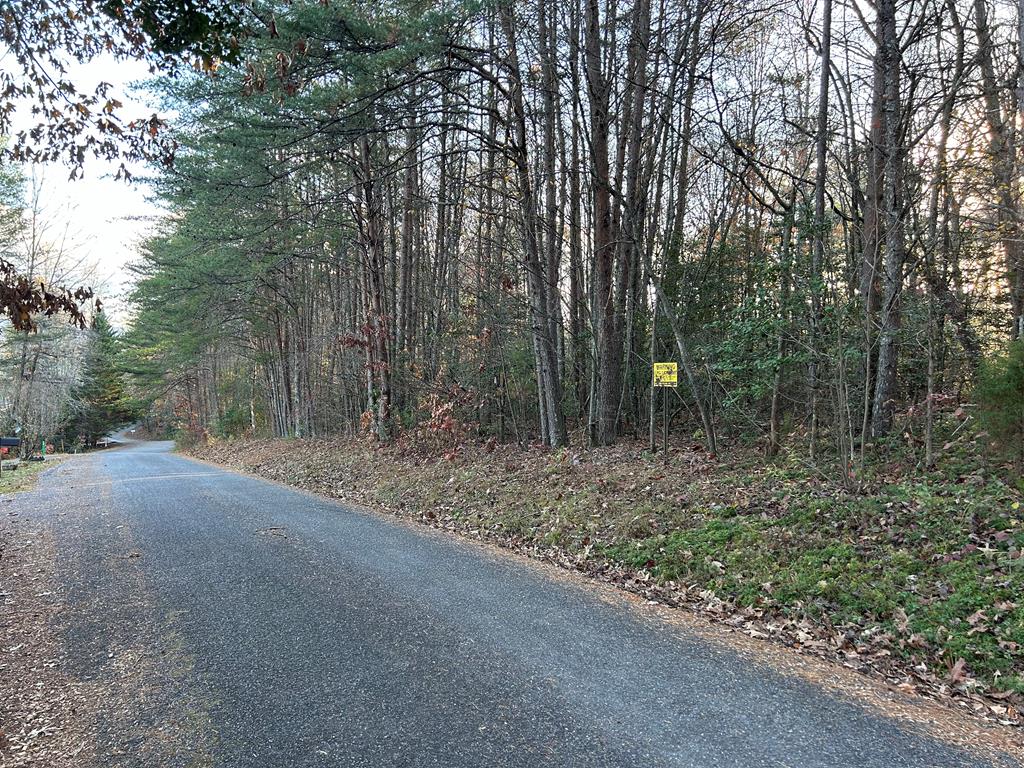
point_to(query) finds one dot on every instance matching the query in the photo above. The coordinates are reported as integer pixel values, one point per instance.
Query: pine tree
(102, 402)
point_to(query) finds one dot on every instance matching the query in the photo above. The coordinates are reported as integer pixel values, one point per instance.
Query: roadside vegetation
(25, 477)
(913, 573)
(466, 229)
(539, 204)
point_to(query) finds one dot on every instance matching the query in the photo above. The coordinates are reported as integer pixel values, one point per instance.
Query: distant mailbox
(10, 442)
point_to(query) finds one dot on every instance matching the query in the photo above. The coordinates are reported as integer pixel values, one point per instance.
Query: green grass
(928, 559)
(24, 477)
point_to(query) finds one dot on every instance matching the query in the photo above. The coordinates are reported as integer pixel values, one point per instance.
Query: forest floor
(917, 577)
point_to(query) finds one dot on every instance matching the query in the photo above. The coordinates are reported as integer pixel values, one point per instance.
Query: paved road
(246, 624)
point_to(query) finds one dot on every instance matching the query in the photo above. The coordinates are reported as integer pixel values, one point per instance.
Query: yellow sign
(666, 374)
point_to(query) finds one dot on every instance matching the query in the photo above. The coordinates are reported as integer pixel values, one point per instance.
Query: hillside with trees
(424, 256)
(465, 232)
(498, 216)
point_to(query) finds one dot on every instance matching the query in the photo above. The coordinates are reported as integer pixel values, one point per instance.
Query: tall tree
(101, 403)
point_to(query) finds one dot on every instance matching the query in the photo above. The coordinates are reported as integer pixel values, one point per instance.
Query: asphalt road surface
(234, 622)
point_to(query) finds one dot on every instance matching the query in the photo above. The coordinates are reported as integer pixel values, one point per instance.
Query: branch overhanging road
(240, 623)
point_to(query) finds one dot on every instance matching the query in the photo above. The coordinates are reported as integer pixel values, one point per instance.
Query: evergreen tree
(102, 402)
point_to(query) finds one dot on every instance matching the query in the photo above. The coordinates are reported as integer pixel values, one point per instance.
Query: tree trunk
(609, 343)
(892, 272)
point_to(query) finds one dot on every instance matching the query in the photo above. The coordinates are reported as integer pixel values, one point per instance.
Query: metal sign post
(664, 424)
(666, 375)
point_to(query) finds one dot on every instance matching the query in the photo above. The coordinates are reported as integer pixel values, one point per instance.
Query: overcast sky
(106, 219)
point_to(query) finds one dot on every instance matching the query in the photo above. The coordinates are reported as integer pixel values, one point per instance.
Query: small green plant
(1000, 396)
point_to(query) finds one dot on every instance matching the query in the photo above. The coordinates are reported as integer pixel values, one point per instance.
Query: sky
(106, 219)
